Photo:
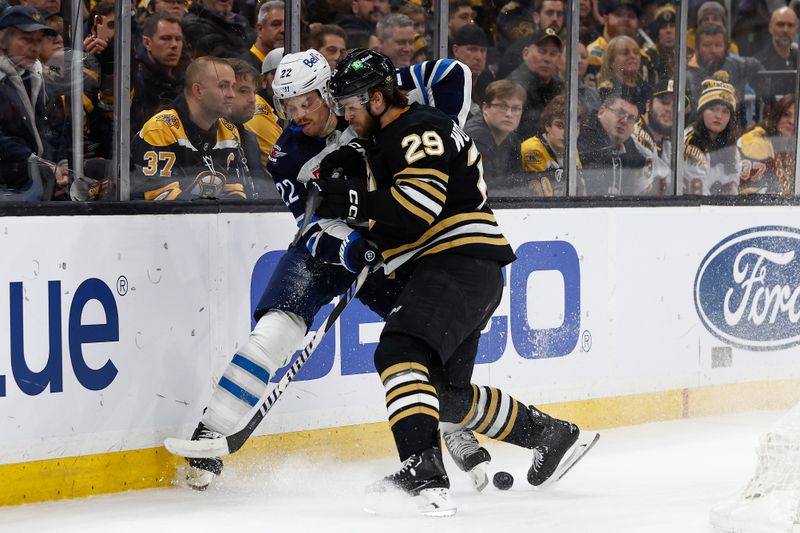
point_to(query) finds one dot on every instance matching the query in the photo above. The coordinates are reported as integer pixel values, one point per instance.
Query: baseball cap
(664, 15)
(542, 34)
(24, 18)
(272, 60)
(470, 34)
(664, 87)
(609, 6)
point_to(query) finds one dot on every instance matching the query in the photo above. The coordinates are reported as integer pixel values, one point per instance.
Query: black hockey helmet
(361, 70)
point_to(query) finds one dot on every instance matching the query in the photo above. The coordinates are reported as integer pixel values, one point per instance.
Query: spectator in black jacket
(780, 53)
(158, 78)
(256, 181)
(612, 165)
(495, 135)
(33, 164)
(537, 75)
(211, 28)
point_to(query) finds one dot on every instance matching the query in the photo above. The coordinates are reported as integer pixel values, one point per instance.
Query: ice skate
(468, 455)
(422, 477)
(202, 472)
(553, 443)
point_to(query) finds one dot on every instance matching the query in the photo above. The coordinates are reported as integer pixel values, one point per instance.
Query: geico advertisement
(505, 328)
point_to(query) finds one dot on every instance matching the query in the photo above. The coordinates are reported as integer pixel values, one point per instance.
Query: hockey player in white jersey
(325, 260)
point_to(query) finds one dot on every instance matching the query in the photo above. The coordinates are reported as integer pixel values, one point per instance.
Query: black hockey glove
(360, 253)
(349, 161)
(341, 198)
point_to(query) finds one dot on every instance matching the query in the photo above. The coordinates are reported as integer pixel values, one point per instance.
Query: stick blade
(197, 449)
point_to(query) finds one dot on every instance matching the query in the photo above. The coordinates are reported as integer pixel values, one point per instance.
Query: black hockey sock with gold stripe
(413, 407)
(497, 415)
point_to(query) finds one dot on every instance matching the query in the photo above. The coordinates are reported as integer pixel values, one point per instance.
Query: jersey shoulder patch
(163, 129)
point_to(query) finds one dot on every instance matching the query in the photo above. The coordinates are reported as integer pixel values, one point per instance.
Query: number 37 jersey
(173, 159)
(427, 194)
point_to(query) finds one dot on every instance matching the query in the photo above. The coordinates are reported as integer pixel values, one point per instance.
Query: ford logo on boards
(747, 289)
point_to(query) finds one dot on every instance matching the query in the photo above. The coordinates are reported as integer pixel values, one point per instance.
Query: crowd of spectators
(739, 102)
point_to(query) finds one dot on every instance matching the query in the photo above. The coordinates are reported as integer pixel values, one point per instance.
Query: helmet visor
(296, 107)
(350, 103)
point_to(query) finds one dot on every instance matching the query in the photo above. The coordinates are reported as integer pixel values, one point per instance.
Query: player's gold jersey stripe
(427, 187)
(423, 172)
(464, 241)
(424, 215)
(440, 227)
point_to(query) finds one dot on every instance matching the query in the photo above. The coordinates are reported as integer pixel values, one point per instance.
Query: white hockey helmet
(301, 73)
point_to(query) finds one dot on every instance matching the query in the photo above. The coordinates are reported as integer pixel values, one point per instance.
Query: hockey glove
(357, 253)
(348, 161)
(341, 198)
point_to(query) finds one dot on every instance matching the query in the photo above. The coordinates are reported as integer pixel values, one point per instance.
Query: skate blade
(478, 476)
(585, 442)
(395, 503)
(436, 502)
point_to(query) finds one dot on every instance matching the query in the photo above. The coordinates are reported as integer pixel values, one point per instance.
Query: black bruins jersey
(429, 196)
(172, 159)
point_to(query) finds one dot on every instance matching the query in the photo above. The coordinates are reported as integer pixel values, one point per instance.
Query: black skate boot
(469, 455)
(422, 475)
(552, 442)
(203, 471)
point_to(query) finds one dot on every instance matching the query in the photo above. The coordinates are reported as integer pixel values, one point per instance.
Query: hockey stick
(313, 200)
(227, 445)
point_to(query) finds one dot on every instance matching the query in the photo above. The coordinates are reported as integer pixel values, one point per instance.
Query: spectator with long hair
(621, 71)
(767, 152)
(712, 160)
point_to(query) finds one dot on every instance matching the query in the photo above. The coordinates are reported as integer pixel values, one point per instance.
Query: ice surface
(652, 478)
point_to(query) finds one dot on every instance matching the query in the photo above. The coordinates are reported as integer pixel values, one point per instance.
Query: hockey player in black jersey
(423, 196)
(324, 262)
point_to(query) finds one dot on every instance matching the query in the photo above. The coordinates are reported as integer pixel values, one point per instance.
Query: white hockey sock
(269, 347)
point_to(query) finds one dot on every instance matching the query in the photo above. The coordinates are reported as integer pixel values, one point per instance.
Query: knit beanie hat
(712, 8)
(717, 90)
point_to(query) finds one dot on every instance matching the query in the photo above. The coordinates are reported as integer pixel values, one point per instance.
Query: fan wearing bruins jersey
(425, 202)
(190, 151)
(542, 155)
(767, 152)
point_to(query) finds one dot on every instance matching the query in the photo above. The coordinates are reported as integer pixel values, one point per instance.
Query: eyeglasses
(624, 115)
(504, 108)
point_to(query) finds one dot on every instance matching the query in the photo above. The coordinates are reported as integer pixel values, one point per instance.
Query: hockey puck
(503, 480)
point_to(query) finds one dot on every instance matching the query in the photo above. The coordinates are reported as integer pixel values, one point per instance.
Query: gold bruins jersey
(764, 169)
(547, 175)
(266, 128)
(172, 159)
(428, 194)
